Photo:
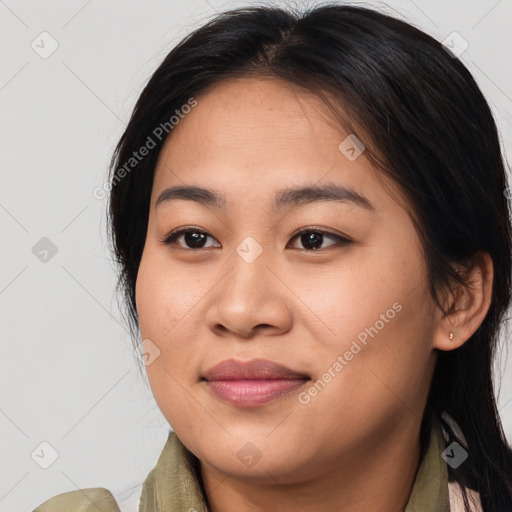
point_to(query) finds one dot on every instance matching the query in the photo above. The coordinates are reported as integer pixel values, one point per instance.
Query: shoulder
(81, 500)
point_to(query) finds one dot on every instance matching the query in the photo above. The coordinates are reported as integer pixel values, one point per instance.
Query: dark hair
(424, 122)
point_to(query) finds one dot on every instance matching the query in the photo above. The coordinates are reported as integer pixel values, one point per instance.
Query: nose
(250, 300)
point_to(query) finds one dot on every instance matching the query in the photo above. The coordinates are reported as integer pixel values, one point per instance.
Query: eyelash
(170, 239)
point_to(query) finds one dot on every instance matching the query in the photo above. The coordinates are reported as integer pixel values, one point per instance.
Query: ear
(467, 306)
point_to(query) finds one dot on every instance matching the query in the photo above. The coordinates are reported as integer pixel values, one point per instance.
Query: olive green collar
(173, 485)
(430, 490)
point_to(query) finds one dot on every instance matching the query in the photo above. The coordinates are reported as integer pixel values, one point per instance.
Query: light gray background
(67, 370)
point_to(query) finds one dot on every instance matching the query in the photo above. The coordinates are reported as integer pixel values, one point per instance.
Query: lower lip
(251, 393)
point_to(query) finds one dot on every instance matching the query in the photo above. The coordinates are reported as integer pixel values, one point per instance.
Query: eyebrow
(288, 197)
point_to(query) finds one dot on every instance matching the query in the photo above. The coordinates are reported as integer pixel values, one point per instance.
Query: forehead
(237, 114)
(256, 136)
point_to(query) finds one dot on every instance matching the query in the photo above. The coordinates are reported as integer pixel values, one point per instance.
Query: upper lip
(255, 369)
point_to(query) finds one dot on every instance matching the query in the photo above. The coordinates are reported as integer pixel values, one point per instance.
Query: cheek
(162, 300)
(165, 295)
(360, 299)
(168, 299)
(375, 334)
(375, 372)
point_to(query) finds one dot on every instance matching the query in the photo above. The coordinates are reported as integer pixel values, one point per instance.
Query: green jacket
(173, 486)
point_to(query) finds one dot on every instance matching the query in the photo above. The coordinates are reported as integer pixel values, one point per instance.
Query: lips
(252, 383)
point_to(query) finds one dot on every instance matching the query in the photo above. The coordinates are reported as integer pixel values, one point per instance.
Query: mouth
(252, 383)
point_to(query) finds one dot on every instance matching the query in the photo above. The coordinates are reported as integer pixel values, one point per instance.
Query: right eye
(193, 237)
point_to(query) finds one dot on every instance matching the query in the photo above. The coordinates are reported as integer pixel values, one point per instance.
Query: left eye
(194, 239)
(314, 238)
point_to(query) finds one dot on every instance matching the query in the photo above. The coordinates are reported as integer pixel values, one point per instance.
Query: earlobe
(467, 306)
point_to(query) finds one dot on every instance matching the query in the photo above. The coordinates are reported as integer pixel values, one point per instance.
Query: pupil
(194, 238)
(312, 238)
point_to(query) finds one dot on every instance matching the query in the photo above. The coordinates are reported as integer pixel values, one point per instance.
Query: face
(330, 285)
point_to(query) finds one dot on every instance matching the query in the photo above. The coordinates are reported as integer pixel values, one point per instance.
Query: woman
(314, 242)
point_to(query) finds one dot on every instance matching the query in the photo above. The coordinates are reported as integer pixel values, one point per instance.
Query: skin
(355, 445)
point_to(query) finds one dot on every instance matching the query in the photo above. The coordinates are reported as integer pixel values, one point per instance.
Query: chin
(260, 461)
(268, 469)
